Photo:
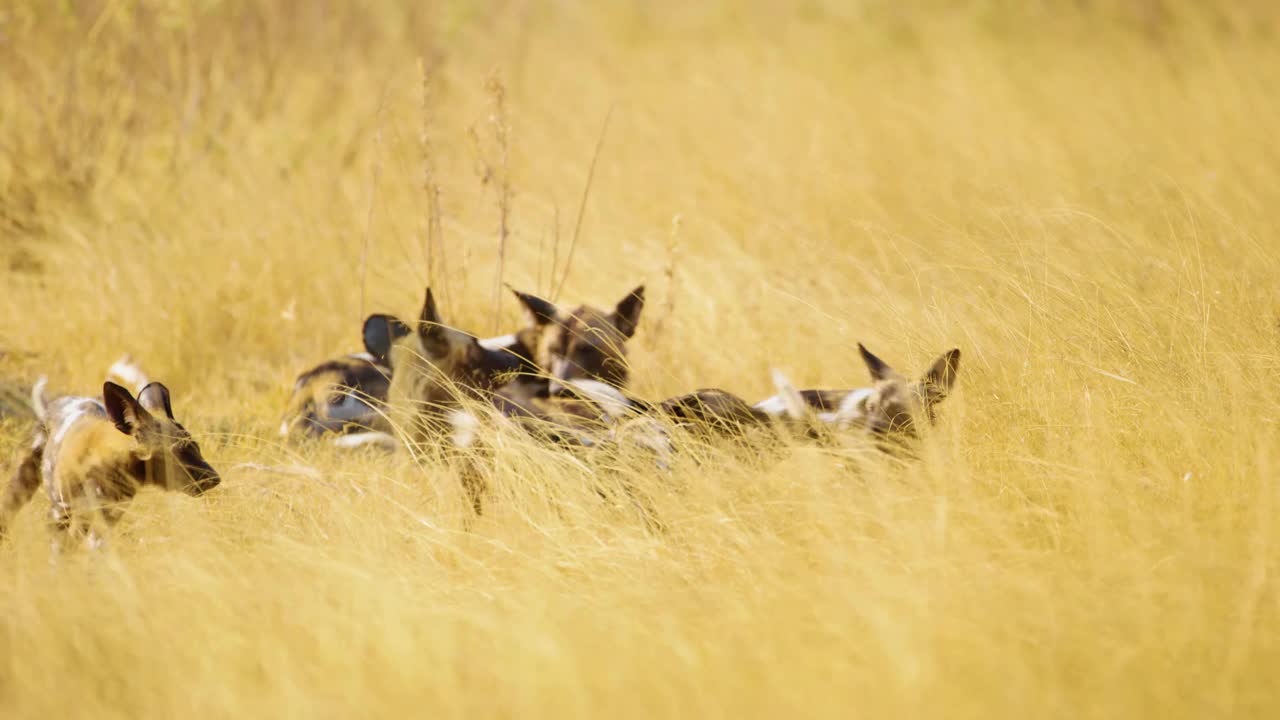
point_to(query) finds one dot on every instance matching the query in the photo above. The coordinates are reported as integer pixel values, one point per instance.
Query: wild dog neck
(94, 450)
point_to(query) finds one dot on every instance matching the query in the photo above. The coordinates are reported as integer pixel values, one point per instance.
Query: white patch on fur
(502, 342)
(76, 409)
(793, 405)
(609, 398)
(349, 408)
(38, 402)
(355, 440)
(775, 406)
(363, 356)
(284, 428)
(464, 426)
(853, 407)
(559, 373)
(129, 374)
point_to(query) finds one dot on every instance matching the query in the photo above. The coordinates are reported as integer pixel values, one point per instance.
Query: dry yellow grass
(1085, 197)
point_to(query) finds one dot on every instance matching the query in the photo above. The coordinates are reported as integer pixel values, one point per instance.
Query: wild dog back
(893, 407)
(341, 395)
(715, 410)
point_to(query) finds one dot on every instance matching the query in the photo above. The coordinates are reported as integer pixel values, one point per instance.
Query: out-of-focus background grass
(1081, 195)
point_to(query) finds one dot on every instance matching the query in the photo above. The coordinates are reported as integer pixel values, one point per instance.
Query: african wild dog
(346, 397)
(890, 411)
(339, 396)
(580, 343)
(442, 375)
(436, 370)
(93, 456)
(892, 408)
(442, 365)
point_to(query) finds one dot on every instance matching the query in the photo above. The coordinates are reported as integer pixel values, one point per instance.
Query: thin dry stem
(436, 252)
(582, 205)
(375, 174)
(665, 311)
(495, 170)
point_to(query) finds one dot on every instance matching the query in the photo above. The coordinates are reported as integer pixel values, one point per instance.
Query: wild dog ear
(880, 369)
(431, 327)
(430, 314)
(155, 398)
(941, 376)
(380, 333)
(537, 311)
(123, 410)
(626, 316)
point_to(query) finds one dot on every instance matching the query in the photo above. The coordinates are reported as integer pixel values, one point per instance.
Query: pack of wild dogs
(426, 386)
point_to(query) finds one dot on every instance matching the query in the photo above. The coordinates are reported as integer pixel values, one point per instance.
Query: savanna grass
(1082, 196)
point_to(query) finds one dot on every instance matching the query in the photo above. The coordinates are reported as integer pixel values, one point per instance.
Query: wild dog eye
(190, 454)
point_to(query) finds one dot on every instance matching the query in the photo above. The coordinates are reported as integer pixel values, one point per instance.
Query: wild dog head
(581, 343)
(893, 407)
(162, 452)
(897, 406)
(339, 396)
(435, 366)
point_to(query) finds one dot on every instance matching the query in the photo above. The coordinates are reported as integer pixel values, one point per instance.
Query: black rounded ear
(941, 376)
(626, 316)
(125, 412)
(155, 398)
(536, 310)
(380, 333)
(880, 369)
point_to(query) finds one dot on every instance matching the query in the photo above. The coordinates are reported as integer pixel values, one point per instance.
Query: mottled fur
(93, 456)
(436, 368)
(714, 409)
(342, 395)
(347, 396)
(583, 342)
(893, 407)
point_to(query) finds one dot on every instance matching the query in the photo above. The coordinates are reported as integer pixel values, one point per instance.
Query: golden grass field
(1084, 197)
